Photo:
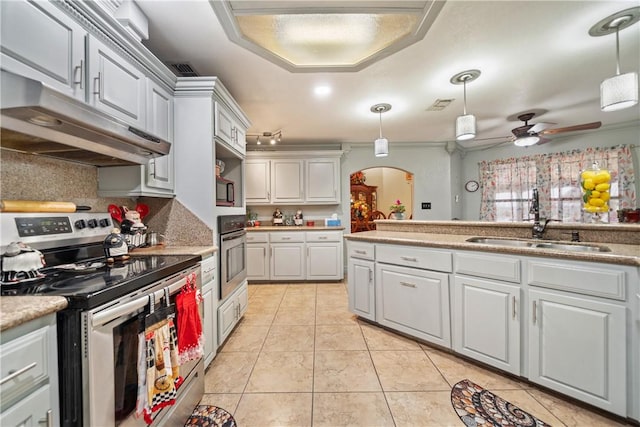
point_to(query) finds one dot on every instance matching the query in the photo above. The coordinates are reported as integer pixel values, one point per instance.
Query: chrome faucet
(538, 228)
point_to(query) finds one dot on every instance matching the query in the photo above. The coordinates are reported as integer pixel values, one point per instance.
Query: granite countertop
(293, 228)
(620, 253)
(20, 309)
(203, 251)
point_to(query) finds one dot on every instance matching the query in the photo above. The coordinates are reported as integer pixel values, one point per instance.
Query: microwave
(225, 193)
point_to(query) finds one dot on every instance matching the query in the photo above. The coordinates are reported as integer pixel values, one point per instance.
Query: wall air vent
(183, 69)
(440, 104)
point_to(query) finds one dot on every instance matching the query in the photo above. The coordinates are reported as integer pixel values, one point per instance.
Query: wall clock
(471, 186)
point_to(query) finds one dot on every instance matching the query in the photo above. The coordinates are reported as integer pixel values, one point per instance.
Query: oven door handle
(233, 236)
(105, 316)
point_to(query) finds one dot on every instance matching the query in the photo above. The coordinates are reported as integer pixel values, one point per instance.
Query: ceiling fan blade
(539, 127)
(585, 126)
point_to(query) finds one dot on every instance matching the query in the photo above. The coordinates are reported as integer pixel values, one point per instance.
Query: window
(507, 184)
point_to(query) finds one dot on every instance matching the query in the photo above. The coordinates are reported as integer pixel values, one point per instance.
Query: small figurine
(297, 219)
(277, 217)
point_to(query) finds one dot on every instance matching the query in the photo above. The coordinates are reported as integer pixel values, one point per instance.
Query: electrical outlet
(426, 205)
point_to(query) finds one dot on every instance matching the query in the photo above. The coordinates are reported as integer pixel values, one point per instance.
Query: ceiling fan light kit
(620, 91)
(465, 124)
(526, 141)
(381, 145)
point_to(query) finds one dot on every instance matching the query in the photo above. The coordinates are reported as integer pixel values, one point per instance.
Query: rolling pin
(36, 206)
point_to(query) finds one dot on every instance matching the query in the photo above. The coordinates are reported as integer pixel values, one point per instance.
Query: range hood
(38, 119)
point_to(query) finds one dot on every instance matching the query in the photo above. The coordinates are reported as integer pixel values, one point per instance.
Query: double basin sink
(541, 244)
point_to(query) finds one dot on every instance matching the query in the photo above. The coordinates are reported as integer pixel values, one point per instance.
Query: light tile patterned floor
(299, 358)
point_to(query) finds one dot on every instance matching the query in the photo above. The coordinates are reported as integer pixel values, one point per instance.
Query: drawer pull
(48, 419)
(322, 237)
(358, 251)
(409, 258)
(513, 310)
(286, 238)
(408, 285)
(17, 373)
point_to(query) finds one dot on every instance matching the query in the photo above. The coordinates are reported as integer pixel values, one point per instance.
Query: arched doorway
(375, 190)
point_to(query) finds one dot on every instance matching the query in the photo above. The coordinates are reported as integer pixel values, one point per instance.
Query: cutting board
(36, 206)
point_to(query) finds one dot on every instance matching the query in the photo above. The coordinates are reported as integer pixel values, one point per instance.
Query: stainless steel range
(98, 333)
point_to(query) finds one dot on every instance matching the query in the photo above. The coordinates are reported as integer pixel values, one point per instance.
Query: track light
(620, 91)
(272, 137)
(381, 145)
(465, 124)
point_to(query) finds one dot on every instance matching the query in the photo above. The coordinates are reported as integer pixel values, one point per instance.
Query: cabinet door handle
(535, 314)
(79, 68)
(97, 80)
(409, 258)
(14, 374)
(48, 419)
(513, 310)
(370, 276)
(408, 285)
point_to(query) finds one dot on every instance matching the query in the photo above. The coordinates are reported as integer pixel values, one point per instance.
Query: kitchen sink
(572, 247)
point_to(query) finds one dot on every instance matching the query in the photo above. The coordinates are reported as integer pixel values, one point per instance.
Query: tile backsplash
(33, 177)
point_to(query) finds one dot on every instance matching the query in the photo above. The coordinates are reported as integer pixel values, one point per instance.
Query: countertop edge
(293, 228)
(459, 242)
(203, 251)
(16, 310)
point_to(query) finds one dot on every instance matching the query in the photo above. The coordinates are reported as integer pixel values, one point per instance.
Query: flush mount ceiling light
(272, 137)
(465, 124)
(620, 91)
(319, 36)
(381, 145)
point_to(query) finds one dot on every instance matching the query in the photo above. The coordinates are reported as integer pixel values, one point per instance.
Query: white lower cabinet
(231, 311)
(29, 374)
(361, 288)
(295, 255)
(577, 346)
(287, 261)
(486, 322)
(210, 306)
(414, 301)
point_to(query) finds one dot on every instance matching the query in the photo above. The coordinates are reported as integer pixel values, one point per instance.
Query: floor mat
(210, 416)
(479, 407)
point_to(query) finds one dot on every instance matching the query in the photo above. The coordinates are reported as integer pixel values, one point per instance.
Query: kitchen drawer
(582, 278)
(26, 359)
(257, 237)
(427, 259)
(286, 237)
(208, 266)
(488, 266)
(361, 250)
(30, 411)
(323, 236)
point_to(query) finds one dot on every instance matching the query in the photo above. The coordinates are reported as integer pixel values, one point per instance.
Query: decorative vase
(398, 215)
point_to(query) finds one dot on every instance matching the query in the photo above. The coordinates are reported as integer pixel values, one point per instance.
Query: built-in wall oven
(233, 253)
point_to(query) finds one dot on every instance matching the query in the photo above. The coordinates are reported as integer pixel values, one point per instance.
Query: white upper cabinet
(40, 42)
(160, 123)
(322, 178)
(287, 181)
(116, 86)
(228, 130)
(258, 181)
(292, 178)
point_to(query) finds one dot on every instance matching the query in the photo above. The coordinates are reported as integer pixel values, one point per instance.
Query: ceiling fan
(530, 134)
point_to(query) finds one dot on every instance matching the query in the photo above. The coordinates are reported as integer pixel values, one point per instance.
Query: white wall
(628, 133)
(430, 165)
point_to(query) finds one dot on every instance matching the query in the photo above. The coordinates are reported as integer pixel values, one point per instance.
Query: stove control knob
(104, 222)
(80, 224)
(92, 223)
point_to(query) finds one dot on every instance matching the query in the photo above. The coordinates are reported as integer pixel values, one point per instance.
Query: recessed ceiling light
(323, 90)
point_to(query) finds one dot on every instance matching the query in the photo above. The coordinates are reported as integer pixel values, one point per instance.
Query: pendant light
(465, 124)
(620, 91)
(381, 145)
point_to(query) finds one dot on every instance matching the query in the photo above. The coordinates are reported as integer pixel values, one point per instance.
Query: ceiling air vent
(440, 104)
(183, 69)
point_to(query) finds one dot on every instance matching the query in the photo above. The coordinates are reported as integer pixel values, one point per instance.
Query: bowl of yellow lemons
(595, 184)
